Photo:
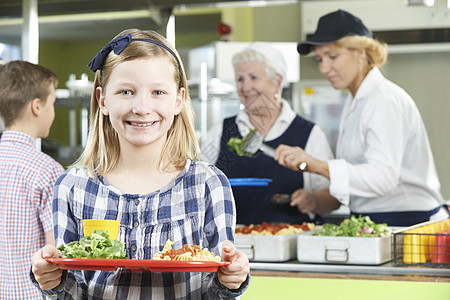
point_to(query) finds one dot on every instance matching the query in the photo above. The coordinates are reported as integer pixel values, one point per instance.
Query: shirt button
(133, 248)
(137, 202)
(136, 224)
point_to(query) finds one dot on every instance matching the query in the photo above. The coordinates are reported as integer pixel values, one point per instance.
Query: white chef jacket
(317, 144)
(384, 161)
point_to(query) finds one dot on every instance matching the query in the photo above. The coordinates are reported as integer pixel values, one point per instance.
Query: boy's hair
(102, 150)
(21, 82)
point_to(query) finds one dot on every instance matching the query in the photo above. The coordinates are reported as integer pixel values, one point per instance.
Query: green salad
(97, 245)
(355, 227)
(235, 144)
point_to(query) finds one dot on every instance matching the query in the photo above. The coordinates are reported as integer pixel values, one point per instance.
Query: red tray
(137, 264)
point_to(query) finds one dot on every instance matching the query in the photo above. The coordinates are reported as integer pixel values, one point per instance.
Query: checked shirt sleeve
(220, 222)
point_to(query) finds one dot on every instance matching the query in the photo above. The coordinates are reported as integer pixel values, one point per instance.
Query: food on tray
(96, 245)
(274, 229)
(355, 227)
(188, 253)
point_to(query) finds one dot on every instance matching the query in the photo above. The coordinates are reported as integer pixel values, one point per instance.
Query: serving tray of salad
(357, 240)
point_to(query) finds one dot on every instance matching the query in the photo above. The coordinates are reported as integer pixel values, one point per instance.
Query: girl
(139, 167)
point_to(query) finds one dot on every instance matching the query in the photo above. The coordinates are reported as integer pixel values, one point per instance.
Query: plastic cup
(413, 249)
(112, 226)
(441, 252)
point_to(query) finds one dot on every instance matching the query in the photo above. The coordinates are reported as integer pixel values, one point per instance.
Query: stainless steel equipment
(267, 248)
(343, 250)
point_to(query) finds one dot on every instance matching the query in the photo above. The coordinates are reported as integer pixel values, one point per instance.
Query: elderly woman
(260, 71)
(384, 167)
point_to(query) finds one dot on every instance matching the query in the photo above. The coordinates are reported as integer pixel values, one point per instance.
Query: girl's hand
(47, 274)
(233, 275)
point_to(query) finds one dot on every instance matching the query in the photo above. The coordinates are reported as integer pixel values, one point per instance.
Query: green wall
(65, 58)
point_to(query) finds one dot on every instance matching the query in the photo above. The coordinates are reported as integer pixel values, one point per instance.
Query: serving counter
(295, 280)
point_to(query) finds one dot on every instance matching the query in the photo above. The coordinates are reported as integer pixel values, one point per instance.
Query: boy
(27, 97)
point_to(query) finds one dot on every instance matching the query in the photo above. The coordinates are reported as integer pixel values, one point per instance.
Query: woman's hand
(292, 156)
(303, 200)
(233, 275)
(47, 274)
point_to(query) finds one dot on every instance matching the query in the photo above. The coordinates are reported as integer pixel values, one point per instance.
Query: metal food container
(269, 248)
(343, 250)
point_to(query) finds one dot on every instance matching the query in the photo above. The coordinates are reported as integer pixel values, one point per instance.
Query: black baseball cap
(333, 27)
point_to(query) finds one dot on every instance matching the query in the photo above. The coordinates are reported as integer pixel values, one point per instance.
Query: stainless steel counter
(384, 269)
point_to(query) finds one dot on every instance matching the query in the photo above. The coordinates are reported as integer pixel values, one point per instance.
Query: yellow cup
(112, 226)
(413, 249)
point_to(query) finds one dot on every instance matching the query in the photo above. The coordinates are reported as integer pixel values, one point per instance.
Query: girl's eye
(127, 92)
(158, 93)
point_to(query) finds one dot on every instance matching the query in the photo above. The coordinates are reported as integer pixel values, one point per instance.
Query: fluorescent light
(83, 17)
(420, 2)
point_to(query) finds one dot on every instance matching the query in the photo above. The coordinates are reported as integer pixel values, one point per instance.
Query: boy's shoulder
(25, 146)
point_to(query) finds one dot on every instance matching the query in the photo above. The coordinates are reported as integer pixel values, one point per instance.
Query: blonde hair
(102, 150)
(376, 51)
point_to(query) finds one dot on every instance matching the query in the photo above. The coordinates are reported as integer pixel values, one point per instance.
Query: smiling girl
(140, 167)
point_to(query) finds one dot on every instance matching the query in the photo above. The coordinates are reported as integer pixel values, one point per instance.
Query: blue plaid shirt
(196, 208)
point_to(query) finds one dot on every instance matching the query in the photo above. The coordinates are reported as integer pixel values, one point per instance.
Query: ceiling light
(420, 2)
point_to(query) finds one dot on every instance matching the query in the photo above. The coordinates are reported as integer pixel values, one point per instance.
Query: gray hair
(250, 56)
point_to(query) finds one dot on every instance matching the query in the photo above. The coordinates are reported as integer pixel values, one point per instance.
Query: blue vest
(253, 202)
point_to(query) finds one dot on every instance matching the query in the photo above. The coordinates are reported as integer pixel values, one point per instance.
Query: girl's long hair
(102, 150)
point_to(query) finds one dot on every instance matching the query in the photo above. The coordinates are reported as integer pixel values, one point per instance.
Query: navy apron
(253, 204)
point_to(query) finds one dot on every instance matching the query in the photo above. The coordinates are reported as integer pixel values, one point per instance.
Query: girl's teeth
(141, 124)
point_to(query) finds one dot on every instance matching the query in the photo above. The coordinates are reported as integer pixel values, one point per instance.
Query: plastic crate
(427, 245)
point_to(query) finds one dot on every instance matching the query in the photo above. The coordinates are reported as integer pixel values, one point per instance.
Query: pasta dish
(186, 253)
(274, 229)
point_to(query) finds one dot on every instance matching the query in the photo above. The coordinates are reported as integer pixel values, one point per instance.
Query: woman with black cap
(384, 166)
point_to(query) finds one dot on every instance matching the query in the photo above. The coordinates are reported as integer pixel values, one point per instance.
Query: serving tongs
(254, 142)
(283, 199)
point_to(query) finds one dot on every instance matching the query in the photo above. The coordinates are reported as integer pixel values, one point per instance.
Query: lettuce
(355, 227)
(97, 245)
